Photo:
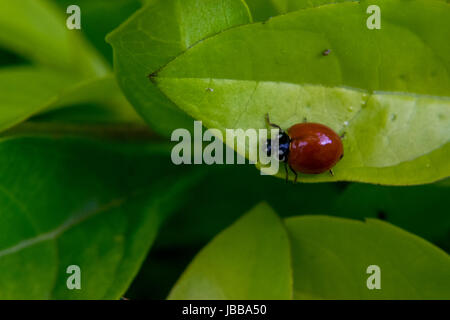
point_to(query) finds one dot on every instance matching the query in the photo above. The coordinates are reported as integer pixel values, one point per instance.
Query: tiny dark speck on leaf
(382, 215)
(152, 76)
(342, 186)
(265, 21)
(326, 52)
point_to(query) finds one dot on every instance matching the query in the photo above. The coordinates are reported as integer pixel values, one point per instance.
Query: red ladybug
(310, 148)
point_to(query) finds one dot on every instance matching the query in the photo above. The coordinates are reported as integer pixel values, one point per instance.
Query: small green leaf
(396, 121)
(444, 183)
(37, 30)
(422, 210)
(28, 91)
(331, 255)
(249, 260)
(80, 202)
(99, 17)
(25, 91)
(265, 9)
(157, 34)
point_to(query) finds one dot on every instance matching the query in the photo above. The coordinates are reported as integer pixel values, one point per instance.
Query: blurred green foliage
(72, 145)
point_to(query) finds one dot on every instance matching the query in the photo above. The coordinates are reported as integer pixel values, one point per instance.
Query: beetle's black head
(283, 146)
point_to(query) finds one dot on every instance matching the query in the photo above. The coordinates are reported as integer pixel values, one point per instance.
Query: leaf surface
(155, 35)
(37, 31)
(331, 256)
(265, 9)
(80, 202)
(233, 265)
(100, 17)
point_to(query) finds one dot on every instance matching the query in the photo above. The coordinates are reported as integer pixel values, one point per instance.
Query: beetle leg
(287, 172)
(272, 124)
(331, 173)
(295, 173)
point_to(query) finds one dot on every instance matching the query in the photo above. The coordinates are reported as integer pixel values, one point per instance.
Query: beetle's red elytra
(310, 148)
(314, 148)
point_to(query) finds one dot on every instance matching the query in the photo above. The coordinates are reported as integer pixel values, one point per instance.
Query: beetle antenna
(272, 124)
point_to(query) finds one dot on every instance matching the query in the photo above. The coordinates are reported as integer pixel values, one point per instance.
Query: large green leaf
(80, 202)
(37, 31)
(396, 120)
(330, 257)
(154, 36)
(249, 260)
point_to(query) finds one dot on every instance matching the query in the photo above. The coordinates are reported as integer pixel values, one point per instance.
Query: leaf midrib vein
(68, 224)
